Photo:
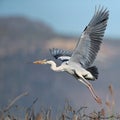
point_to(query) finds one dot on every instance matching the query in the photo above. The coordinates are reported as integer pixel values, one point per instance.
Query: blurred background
(28, 28)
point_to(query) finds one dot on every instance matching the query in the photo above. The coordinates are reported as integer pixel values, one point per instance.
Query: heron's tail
(94, 71)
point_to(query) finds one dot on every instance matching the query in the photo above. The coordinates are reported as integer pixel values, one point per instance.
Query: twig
(14, 100)
(34, 102)
(31, 106)
(30, 111)
(100, 117)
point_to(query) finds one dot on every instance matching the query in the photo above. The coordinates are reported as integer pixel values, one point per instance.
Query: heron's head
(40, 61)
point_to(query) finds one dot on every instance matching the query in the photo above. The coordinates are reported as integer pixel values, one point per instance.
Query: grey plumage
(63, 55)
(91, 38)
(89, 42)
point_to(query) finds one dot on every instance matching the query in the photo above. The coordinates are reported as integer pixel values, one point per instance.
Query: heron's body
(79, 62)
(73, 69)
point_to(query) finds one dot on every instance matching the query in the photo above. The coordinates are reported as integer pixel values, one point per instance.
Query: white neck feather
(54, 67)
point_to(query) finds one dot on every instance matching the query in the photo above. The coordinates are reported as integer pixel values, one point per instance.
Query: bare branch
(14, 100)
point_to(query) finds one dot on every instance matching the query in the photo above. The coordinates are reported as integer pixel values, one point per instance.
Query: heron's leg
(90, 87)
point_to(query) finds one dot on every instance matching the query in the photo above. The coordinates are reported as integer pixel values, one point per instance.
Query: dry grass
(68, 113)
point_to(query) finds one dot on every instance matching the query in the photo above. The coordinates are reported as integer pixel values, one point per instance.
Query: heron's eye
(66, 63)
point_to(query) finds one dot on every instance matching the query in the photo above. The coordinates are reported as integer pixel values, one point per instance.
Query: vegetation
(68, 113)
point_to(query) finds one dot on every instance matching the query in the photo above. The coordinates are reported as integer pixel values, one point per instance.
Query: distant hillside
(16, 33)
(22, 41)
(15, 27)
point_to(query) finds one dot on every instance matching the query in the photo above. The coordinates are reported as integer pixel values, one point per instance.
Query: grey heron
(79, 62)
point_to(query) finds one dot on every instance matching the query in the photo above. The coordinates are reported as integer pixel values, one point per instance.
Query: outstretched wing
(63, 55)
(91, 38)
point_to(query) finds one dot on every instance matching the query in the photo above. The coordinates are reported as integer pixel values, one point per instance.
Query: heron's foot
(98, 100)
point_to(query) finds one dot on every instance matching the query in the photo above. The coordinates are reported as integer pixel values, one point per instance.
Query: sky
(64, 16)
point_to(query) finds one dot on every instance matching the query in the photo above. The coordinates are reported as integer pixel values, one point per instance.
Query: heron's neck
(53, 66)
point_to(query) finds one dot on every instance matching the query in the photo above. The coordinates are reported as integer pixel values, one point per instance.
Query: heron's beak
(40, 61)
